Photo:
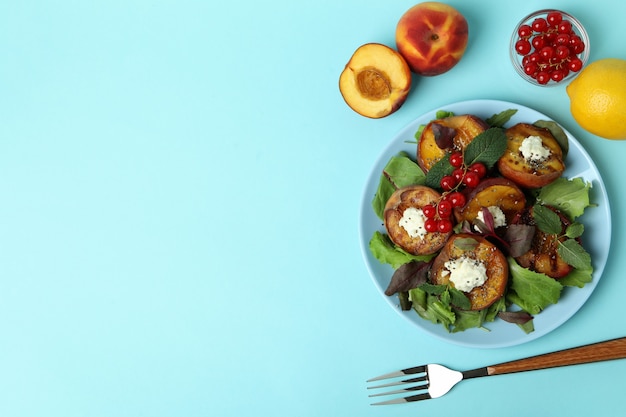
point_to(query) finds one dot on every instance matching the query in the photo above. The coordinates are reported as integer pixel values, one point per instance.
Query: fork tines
(421, 380)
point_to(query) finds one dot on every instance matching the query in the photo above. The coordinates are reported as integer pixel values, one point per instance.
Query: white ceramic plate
(596, 239)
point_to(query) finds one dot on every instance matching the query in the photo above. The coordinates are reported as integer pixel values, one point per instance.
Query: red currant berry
(554, 18)
(458, 174)
(522, 47)
(557, 75)
(457, 199)
(447, 182)
(562, 39)
(525, 31)
(471, 179)
(444, 208)
(565, 27)
(540, 24)
(543, 77)
(575, 64)
(578, 47)
(534, 57)
(429, 211)
(550, 37)
(531, 68)
(456, 159)
(546, 53)
(561, 52)
(479, 168)
(430, 225)
(444, 226)
(538, 42)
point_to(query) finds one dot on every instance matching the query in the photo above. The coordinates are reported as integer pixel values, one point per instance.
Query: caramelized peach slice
(412, 197)
(498, 192)
(479, 249)
(466, 127)
(515, 167)
(543, 256)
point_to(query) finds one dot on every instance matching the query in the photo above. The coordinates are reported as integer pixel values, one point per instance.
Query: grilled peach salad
(481, 224)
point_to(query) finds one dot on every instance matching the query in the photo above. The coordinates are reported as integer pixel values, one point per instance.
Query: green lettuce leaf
(571, 196)
(531, 290)
(577, 278)
(431, 308)
(400, 171)
(386, 252)
(468, 320)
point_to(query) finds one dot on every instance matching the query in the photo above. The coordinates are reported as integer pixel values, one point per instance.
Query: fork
(434, 380)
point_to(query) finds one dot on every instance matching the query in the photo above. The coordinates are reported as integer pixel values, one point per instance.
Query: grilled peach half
(496, 191)
(543, 255)
(414, 196)
(462, 129)
(480, 249)
(515, 167)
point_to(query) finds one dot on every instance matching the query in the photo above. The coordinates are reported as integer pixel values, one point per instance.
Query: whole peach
(432, 37)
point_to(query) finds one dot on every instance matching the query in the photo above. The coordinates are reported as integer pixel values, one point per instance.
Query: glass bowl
(534, 61)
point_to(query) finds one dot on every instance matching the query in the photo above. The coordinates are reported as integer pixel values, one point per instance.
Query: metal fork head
(429, 381)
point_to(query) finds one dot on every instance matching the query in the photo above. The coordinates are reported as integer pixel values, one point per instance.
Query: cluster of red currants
(550, 48)
(439, 216)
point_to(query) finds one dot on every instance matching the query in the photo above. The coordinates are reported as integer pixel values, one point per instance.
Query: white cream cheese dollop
(412, 221)
(499, 219)
(532, 149)
(466, 273)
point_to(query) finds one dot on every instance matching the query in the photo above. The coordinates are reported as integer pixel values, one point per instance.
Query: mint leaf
(487, 147)
(500, 119)
(574, 230)
(438, 171)
(570, 196)
(547, 220)
(458, 299)
(574, 254)
(534, 291)
(433, 289)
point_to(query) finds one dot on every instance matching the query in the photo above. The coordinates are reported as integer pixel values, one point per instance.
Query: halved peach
(376, 81)
(515, 167)
(466, 127)
(414, 196)
(479, 249)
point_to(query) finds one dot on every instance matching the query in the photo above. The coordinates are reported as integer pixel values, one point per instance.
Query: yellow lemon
(598, 98)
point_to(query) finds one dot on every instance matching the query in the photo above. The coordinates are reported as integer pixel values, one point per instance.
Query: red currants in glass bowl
(548, 47)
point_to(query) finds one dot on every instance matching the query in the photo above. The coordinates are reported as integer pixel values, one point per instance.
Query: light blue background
(180, 186)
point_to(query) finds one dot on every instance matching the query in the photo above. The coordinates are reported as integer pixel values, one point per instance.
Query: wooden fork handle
(595, 352)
